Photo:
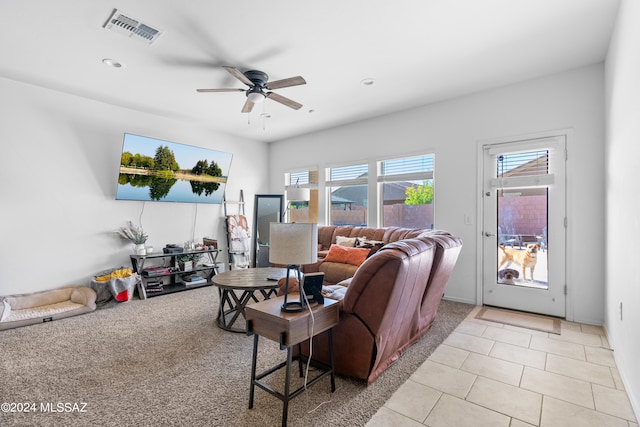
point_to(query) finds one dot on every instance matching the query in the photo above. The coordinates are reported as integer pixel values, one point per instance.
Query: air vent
(131, 27)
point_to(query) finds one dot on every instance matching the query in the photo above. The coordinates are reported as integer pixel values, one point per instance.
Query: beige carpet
(163, 362)
(524, 320)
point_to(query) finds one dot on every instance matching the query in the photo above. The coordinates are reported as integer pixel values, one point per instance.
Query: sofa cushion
(347, 255)
(335, 272)
(325, 236)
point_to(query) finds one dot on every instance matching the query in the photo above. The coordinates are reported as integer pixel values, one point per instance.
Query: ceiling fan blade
(291, 81)
(220, 90)
(248, 106)
(238, 75)
(285, 101)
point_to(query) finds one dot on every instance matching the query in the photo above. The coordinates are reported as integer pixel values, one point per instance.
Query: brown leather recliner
(448, 249)
(389, 304)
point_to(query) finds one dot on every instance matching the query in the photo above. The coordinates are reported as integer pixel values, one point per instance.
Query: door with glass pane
(524, 225)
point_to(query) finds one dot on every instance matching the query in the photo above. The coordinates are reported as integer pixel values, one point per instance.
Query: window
(523, 180)
(302, 210)
(405, 188)
(348, 188)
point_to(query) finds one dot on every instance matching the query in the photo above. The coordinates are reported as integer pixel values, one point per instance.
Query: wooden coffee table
(237, 288)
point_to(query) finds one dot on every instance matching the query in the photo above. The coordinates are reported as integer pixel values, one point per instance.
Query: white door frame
(567, 133)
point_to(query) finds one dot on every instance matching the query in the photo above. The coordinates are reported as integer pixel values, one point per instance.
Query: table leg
(241, 303)
(300, 360)
(236, 305)
(333, 371)
(253, 370)
(285, 406)
(222, 295)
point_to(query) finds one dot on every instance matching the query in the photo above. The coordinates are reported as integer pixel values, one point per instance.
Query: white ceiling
(418, 52)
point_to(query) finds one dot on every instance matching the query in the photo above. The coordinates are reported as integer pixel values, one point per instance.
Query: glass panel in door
(522, 243)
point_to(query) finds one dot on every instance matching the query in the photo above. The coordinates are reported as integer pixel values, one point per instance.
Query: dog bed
(45, 306)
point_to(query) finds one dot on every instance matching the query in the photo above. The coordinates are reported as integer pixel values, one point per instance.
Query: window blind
(524, 169)
(407, 169)
(304, 178)
(348, 175)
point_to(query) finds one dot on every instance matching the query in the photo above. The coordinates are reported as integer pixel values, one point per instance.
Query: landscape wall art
(162, 171)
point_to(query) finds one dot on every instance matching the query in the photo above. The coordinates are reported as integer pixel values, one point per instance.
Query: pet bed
(45, 306)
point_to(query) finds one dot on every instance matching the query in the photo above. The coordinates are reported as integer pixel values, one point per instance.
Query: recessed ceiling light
(367, 82)
(111, 63)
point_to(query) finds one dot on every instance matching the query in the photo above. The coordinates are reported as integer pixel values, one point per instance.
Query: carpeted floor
(163, 362)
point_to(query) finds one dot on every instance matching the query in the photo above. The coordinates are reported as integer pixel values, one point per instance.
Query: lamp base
(293, 307)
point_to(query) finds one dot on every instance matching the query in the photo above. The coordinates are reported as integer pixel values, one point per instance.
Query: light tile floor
(489, 374)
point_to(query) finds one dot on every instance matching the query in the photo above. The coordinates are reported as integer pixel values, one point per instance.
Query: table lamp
(293, 244)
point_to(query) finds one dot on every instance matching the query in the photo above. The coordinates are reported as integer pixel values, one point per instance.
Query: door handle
(487, 234)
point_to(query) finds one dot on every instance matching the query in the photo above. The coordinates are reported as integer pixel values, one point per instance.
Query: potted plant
(186, 262)
(135, 235)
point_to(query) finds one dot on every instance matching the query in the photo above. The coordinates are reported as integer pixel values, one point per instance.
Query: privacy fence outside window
(406, 192)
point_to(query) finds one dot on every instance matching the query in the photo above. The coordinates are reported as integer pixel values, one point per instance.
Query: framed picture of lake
(162, 171)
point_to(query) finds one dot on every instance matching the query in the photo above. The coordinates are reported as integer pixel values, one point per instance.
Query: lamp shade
(293, 243)
(297, 194)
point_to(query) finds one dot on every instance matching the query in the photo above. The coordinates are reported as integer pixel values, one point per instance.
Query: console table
(247, 282)
(152, 280)
(290, 329)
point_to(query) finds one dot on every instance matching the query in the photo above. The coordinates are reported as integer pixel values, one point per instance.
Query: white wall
(60, 159)
(452, 130)
(623, 205)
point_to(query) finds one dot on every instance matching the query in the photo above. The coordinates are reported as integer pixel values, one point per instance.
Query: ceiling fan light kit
(258, 82)
(255, 95)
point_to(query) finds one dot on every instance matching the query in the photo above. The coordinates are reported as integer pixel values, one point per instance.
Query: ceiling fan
(258, 82)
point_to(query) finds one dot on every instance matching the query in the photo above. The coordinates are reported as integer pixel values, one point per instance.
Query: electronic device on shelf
(172, 249)
(312, 285)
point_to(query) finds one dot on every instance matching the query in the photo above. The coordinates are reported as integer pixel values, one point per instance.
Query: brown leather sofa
(335, 272)
(390, 302)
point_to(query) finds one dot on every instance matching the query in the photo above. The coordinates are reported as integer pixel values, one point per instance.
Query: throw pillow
(346, 241)
(347, 255)
(372, 245)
